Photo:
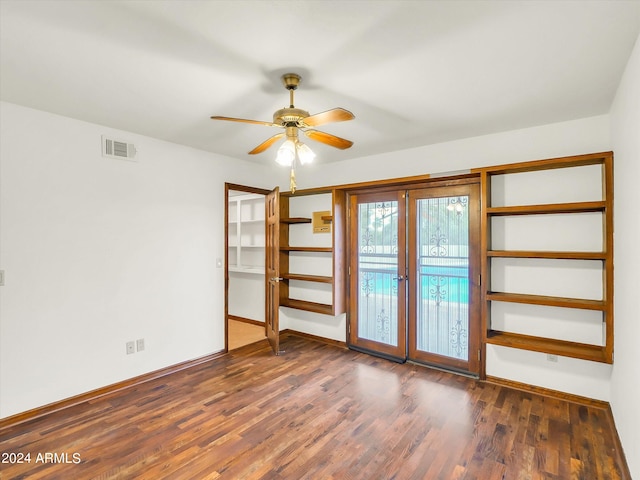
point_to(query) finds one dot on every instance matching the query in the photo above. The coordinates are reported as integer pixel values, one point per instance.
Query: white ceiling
(413, 72)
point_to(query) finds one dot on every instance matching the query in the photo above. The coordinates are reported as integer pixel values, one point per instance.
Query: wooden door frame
(398, 353)
(238, 188)
(474, 331)
(411, 183)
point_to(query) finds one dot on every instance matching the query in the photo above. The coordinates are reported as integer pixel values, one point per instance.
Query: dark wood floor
(316, 412)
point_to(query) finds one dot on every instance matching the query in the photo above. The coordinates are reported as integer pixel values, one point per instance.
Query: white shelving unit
(246, 233)
(246, 245)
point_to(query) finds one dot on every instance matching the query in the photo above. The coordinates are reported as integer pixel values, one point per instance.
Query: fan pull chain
(292, 178)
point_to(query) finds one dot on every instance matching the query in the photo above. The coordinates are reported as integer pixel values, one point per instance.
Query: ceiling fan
(293, 120)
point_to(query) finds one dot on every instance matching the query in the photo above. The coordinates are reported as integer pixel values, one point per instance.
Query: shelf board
(564, 348)
(577, 207)
(307, 278)
(548, 301)
(308, 306)
(544, 254)
(306, 249)
(252, 270)
(294, 220)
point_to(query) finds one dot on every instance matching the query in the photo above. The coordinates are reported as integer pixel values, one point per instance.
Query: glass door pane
(378, 268)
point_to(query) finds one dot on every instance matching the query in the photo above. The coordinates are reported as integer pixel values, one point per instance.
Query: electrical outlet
(131, 347)
(552, 358)
(140, 344)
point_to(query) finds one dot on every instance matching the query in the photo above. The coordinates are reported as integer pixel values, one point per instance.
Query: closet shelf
(251, 270)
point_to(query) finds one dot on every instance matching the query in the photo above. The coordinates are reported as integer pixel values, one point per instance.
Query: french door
(414, 275)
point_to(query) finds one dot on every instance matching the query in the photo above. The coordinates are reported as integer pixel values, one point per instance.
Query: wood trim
(294, 333)
(485, 268)
(547, 392)
(245, 188)
(416, 181)
(547, 164)
(246, 320)
(22, 417)
(339, 267)
(608, 278)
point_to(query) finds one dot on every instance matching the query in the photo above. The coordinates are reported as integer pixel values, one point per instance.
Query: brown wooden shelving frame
(337, 280)
(598, 353)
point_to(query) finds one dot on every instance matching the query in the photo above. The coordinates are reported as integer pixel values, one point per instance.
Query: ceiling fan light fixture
(286, 153)
(305, 154)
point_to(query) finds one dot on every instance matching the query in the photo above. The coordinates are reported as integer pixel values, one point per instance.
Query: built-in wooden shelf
(553, 346)
(332, 252)
(308, 306)
(307, 278)
(306, 249)
(564, 302)
(544, 254)
(604, 206)
(295, 220)
(577, 207)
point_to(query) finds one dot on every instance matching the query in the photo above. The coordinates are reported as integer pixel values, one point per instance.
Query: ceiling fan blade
(329, 139)
(266, 144)
(333, 115)
(244, 120)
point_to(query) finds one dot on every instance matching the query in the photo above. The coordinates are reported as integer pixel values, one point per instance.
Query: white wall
(98, 252)
(625, 380)
(589, 379)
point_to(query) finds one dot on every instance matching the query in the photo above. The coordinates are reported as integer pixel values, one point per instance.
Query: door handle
(399, 278)
(276, 279)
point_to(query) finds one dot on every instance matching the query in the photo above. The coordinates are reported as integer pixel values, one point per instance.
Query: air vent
(118, 149)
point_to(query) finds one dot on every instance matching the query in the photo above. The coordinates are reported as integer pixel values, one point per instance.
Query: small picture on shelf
(322, 222)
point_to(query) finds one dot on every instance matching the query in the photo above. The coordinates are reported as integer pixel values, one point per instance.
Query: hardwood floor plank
(317, 412)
